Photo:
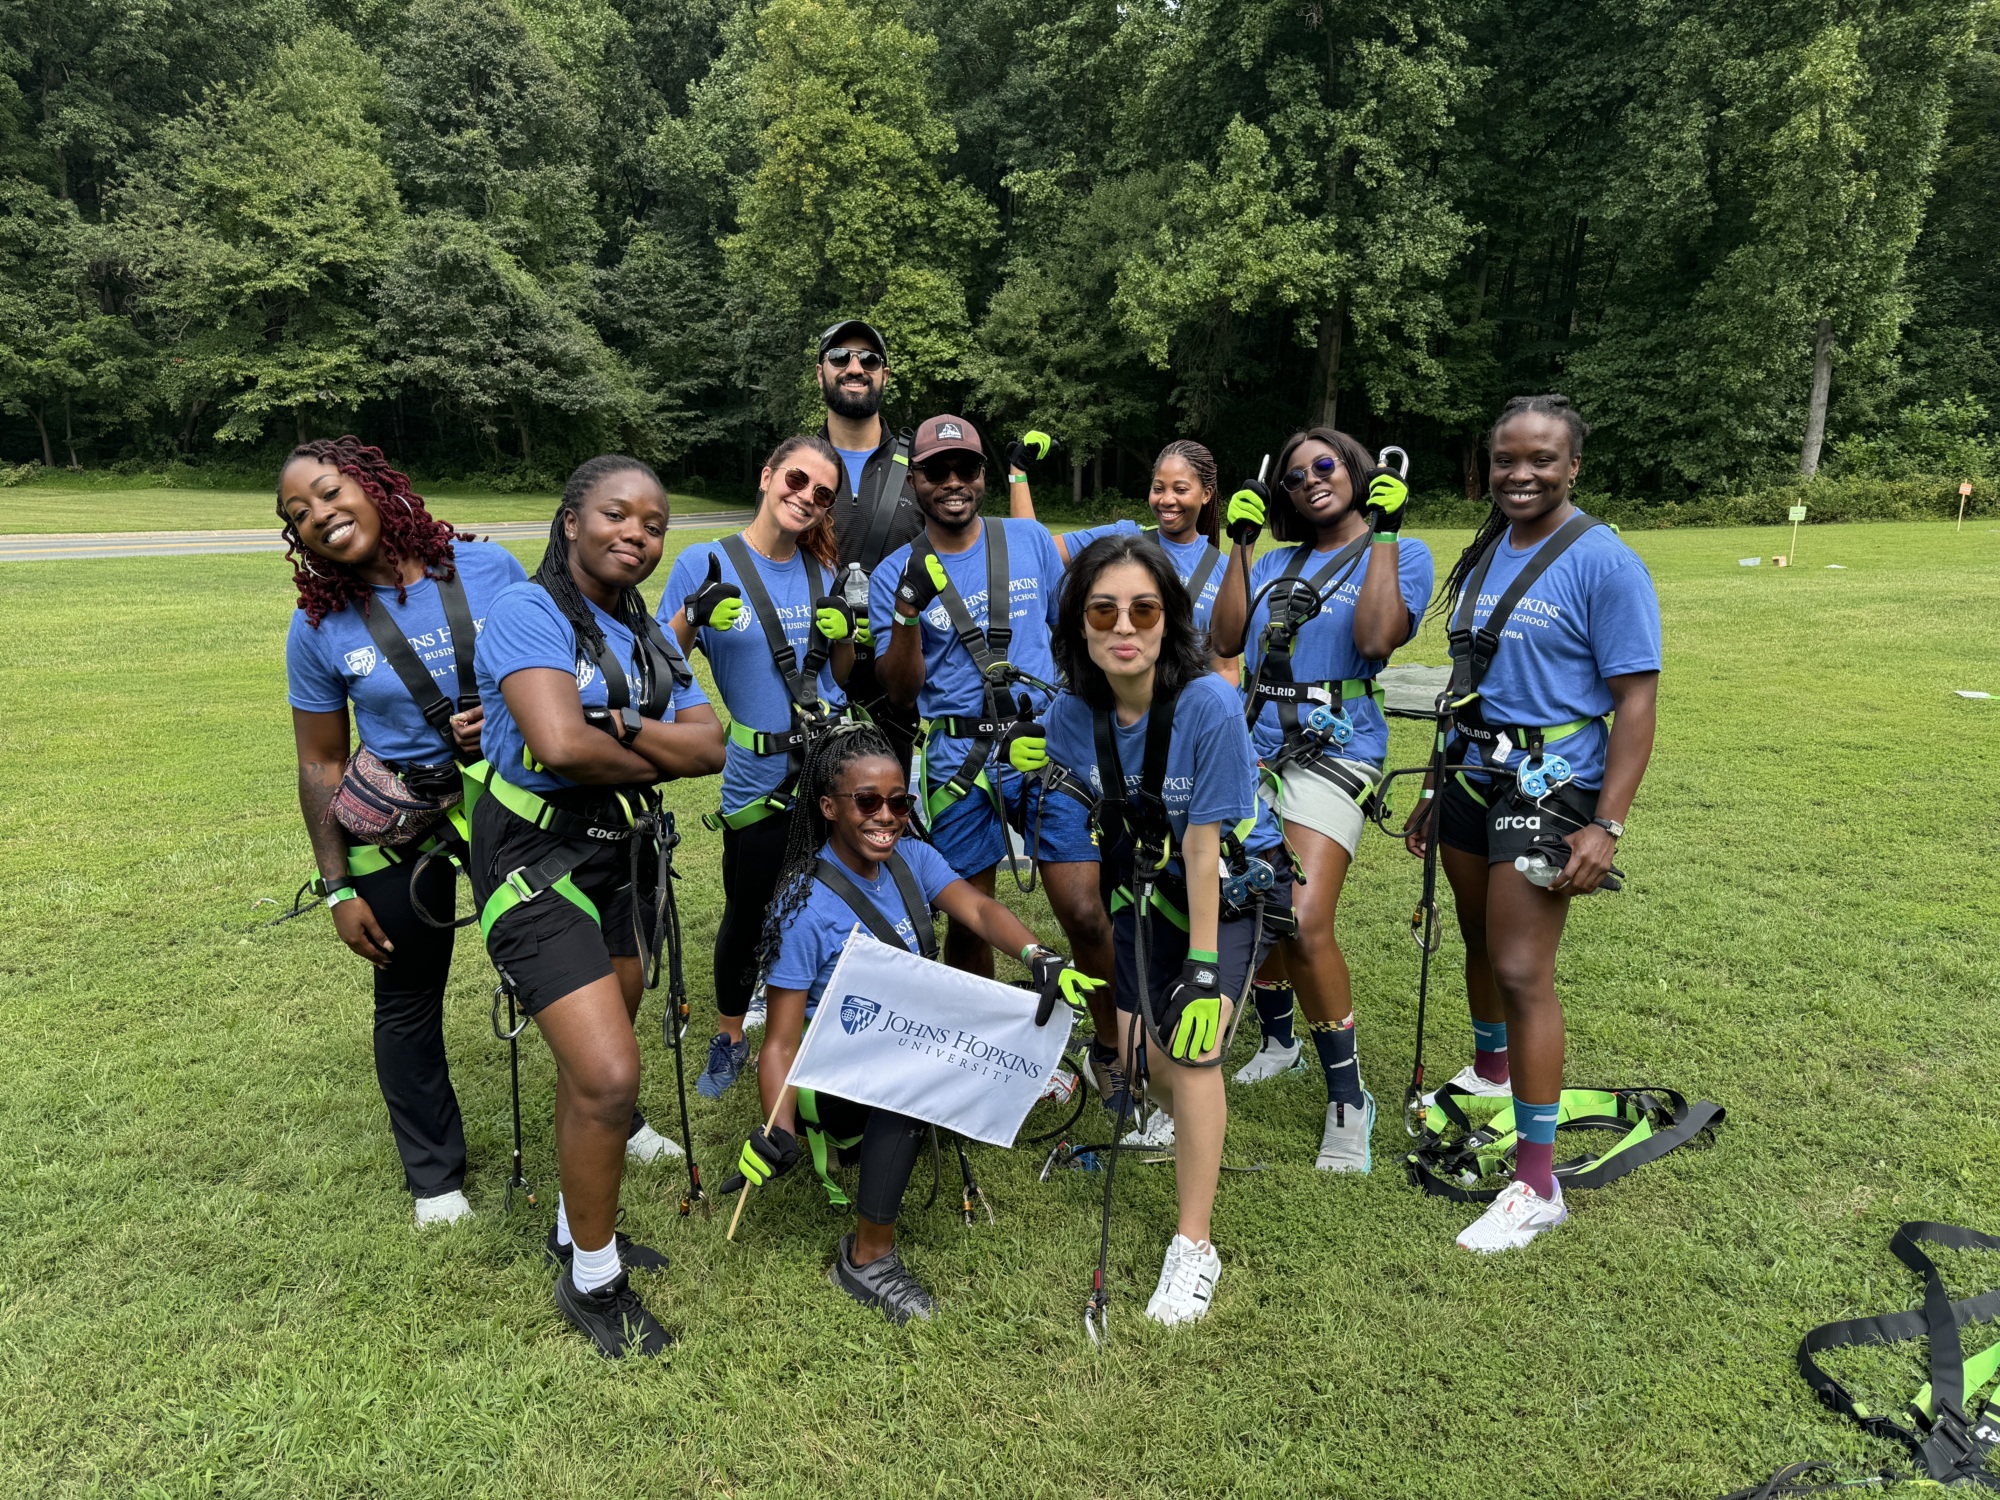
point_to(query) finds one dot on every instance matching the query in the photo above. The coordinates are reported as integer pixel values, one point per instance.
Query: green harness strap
(550, 874)
(818, 1141)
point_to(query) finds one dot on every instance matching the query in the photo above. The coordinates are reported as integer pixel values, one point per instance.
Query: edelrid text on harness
(809, 714)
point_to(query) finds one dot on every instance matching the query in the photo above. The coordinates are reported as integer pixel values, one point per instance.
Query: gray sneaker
(1345, 1147)
(884, 1282)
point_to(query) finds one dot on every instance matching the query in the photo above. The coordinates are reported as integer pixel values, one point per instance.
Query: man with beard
(874, 511)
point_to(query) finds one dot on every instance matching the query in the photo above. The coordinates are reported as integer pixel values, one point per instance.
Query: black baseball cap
(838, 334)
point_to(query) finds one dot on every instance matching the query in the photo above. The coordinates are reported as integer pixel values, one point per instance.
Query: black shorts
(549, 947)
(1503, 826)
(1240, 948)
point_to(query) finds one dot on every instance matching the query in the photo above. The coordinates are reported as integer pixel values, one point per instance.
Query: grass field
(211, 1288)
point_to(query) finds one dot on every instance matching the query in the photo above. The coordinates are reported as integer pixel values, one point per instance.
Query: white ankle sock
(562, 1222)
(595, 1268)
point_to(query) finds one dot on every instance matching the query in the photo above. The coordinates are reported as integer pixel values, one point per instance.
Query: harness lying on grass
(1466, 1150)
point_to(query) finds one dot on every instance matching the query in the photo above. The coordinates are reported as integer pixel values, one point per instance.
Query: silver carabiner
(1382, 459)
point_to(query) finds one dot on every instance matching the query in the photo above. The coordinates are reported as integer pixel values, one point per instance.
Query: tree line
(498, 235)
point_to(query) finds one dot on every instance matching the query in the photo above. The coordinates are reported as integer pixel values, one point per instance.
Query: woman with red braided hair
(389, 600)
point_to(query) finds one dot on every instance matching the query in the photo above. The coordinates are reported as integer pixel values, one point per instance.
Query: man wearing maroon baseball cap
(966, 610)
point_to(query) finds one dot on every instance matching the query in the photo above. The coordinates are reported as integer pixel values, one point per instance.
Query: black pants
(889, 1146)
(751, 859)
(409, 1024)
(899, 724)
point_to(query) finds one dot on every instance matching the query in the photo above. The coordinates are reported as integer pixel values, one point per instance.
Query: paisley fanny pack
(377, 805)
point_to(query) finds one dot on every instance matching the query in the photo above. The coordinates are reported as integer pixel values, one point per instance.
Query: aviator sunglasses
(900, 804)
(1323, 467)
(798, 479)
(942, 466)
(869, 359)
(1103, 614)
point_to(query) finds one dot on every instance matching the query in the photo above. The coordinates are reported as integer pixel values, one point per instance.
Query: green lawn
(39, 509)
(211, 1288)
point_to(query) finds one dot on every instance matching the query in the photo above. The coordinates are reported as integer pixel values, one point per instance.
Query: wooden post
(1798, 514)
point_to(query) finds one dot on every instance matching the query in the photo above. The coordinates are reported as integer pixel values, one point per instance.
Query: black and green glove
(833, 619)
(1056, 978)
(1028, 447)
(1248, 510)
(922, 581)
(767, 1154)
(1193, 1018)
(1388, 499)
(715, 604)
(1025, 746)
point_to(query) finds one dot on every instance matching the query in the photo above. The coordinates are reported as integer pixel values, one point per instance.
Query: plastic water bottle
(1538, 867)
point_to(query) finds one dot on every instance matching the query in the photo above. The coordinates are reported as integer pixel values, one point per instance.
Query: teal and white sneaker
(726, 1061)
(1346, 1145)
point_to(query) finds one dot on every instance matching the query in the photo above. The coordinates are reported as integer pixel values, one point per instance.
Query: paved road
(62, 546)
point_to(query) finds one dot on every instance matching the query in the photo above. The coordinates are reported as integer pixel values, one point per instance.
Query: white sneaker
(650, 1145)
(1158, 1134)
(1467, 1079)
(1347, 1144)
(755, 1016)
(1187, 1282)
(445, 1208)
(1513, 1219)
(1271, 1060)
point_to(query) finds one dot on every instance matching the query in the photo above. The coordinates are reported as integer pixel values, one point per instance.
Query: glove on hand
(864, 633)
(1028, 447)
(1194, 1010)
(764, 1156)
(1058, 979)
(922, 581)
(1025, 747)
(833, 619)
(1388, 496)
(715, 604)
(1248, 510)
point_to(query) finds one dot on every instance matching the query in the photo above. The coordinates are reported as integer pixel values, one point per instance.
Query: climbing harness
(1466, 1151)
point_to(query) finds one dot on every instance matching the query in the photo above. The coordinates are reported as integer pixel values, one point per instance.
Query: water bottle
(854, 591)
(1538, 867)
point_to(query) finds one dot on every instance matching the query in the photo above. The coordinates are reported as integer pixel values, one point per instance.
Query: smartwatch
(1611, 826)
(336, 891)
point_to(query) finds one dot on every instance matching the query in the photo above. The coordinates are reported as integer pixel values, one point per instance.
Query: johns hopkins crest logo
(586, 674)
(361, 662)
(857, 1013)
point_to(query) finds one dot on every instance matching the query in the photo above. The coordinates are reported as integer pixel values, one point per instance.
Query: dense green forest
(498, 235)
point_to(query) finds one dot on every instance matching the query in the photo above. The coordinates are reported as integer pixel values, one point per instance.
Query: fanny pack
(379, 806)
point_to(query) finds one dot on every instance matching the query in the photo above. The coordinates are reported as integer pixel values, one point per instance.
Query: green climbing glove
(1056, 978)
(715, 604)
(1247, 512)
(922, 581)
(765, 1155)
(1388, 496)
(864, 633)
(1028, 447)
(833, 619)
(1025, 746)
(1193, 1018)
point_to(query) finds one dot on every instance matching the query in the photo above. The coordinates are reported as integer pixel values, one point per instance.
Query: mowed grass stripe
(211, 1288)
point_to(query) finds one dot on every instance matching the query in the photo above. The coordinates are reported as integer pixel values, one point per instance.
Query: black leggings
(751, 859)
(889, 1146)
(409, 1024)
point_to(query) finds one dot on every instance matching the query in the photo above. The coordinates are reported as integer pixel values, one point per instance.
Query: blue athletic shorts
(1063, 835)
(969, 835)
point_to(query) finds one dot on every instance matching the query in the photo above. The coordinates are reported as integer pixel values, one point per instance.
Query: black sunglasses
(942, 466)
(900, 804)
(1323, 467)
(870, 361)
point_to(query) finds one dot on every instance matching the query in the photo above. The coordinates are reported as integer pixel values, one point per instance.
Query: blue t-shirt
(1211, 772)
(745, 675)
(951, 681)
(338, 664)
(1592, 615)
(812, 941)
(526, 628)
(1185, 556)
(1324, 650)
(856, 460)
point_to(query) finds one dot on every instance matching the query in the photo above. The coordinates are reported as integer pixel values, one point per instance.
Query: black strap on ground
(1472, 651)
(835, 877)
(394, 648)
(879, 506)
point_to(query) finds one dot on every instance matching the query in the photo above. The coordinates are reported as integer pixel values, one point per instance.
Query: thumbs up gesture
(715, 604)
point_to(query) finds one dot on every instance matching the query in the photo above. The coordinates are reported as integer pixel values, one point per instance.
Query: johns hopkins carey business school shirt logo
(360, 662)
(857, 1013)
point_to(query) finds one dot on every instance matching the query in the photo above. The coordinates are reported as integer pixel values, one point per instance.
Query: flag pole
(744, 1197)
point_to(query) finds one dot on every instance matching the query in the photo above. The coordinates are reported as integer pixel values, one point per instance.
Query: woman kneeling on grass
(370, 561)
(588, 705)
(846, 848)
(1581, 639)
(1162, 741)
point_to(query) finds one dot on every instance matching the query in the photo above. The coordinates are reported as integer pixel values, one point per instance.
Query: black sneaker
(884, 1282)
(632, 1255)
(612, 1317)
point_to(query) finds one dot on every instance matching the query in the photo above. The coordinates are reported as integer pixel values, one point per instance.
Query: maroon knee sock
(1534, 1164)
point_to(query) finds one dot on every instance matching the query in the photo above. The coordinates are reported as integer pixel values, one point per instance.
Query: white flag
(905, 1033)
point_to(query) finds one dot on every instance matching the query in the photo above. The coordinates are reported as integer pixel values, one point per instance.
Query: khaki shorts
(1312, 801)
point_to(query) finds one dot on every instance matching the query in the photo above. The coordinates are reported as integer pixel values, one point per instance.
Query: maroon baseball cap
(945, 434)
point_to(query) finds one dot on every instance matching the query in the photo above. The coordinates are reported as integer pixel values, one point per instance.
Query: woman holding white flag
(847, 861)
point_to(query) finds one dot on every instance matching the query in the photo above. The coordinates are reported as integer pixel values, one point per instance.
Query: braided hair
(409, 531)
(818, 538)
(554, 575)
(1287, 525)
(1198, 458)
(1550, 405)
(827, 761)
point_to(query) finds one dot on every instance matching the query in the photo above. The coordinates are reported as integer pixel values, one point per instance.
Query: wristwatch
(1611, 826)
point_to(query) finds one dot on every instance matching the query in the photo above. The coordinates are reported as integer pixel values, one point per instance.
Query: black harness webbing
(394, 648)
(834, 876)
(1134, 829)
(660, 666)
(802, 685)
(879, 507)
(1272, 682)
(988, 650)
(1196, 581)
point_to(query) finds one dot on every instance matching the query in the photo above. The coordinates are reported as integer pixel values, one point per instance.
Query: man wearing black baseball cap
(873, 510)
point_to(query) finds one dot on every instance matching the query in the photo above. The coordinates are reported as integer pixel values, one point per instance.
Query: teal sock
(1489, 1050)
(1335, 1045)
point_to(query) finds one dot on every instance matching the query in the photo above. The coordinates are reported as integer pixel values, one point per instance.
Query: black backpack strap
(782, 656)
(394, 648)
(835, 877)
(1203, 571)
(1472, 651)
(878, 508)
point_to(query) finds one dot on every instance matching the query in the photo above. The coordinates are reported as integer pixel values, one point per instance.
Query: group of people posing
(1179, 735)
